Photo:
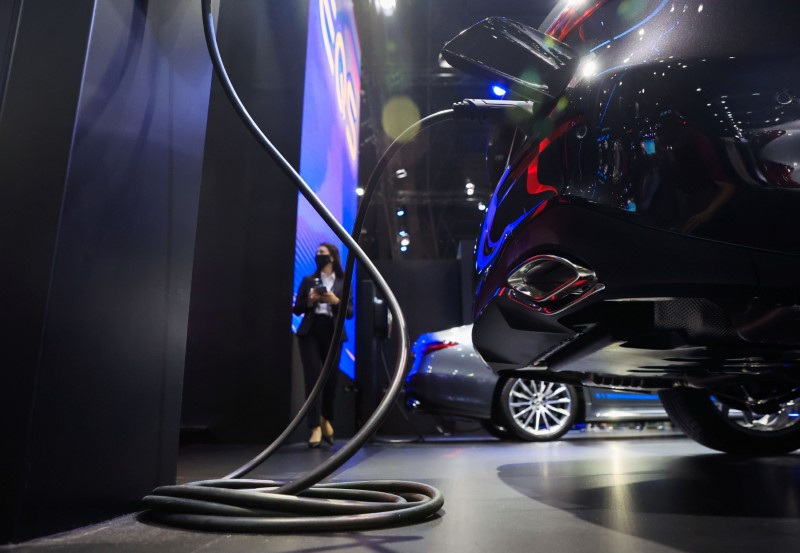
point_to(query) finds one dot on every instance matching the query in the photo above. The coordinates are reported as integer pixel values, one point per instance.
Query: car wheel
(710, 422)
(538, 411)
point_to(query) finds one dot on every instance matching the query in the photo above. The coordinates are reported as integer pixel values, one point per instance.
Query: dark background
(401, 60)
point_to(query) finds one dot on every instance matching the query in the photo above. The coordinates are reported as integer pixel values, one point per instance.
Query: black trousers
(313, 348)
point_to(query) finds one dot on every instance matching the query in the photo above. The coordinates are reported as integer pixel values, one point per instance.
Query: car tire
(708, 422)
(538, 411)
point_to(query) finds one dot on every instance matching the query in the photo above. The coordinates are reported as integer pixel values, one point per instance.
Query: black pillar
(238, 359)
(101, 141)
(468, 278)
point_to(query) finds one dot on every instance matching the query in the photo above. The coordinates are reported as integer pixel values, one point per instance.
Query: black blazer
(301, 306)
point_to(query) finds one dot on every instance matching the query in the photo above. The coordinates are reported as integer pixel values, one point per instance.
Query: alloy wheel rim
(539, 408)
(785, 417)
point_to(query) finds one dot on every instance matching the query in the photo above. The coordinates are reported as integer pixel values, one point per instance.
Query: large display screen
(329, 148)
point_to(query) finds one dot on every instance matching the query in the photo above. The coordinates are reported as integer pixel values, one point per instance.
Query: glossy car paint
(449, 378)
(668, 166)
(671, 115)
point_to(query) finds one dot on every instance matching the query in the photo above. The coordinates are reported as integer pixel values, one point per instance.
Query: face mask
(321, 260)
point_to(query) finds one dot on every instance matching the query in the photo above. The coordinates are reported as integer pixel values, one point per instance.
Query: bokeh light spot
(531, 76)
(399, 113)
(630, 10)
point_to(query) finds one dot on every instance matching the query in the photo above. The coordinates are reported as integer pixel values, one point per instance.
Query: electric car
(644, 231)
(449, 379)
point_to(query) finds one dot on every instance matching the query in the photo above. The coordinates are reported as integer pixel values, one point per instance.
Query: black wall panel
(238, 361)
(101, 142)
(36, 124)
(9, 16)
(429, 293)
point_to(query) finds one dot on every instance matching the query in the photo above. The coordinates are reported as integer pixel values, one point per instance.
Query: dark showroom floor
(639, 492)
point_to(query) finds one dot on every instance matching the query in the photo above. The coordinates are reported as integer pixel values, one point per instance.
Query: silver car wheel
(787, 416)
(540, 408)
(711, 423)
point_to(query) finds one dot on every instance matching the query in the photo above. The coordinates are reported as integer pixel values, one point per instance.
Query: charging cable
(236, 504)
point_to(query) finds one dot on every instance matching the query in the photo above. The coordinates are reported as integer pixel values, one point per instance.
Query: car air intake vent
(699, 318)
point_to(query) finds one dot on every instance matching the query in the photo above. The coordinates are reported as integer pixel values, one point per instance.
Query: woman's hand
(313, 297)
(329, 297)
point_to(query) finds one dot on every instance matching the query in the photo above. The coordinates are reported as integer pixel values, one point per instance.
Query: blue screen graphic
(329, 147)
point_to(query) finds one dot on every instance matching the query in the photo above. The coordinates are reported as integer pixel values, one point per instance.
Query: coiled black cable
(235, 504)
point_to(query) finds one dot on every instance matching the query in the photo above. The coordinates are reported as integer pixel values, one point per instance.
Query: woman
(318, 300)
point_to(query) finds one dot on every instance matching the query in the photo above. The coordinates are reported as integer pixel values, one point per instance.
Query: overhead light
(403, 248)
(470, 187)
(402, 233)
(481, 206)
(387, 7)
(405, 241)
(401, 173)
(359, 191)
(401, 211)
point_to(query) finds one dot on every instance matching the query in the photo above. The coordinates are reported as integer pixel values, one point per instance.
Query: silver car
(450, 378)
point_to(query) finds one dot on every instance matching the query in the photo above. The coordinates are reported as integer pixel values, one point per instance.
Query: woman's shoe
(314, 440)
(328, 439)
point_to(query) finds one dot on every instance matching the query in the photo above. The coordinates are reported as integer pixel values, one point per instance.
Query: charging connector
(494, 111)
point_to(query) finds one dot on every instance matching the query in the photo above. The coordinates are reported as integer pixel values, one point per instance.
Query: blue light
(499, 91)
(599, 46)
(401, 212)
(626, 397)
